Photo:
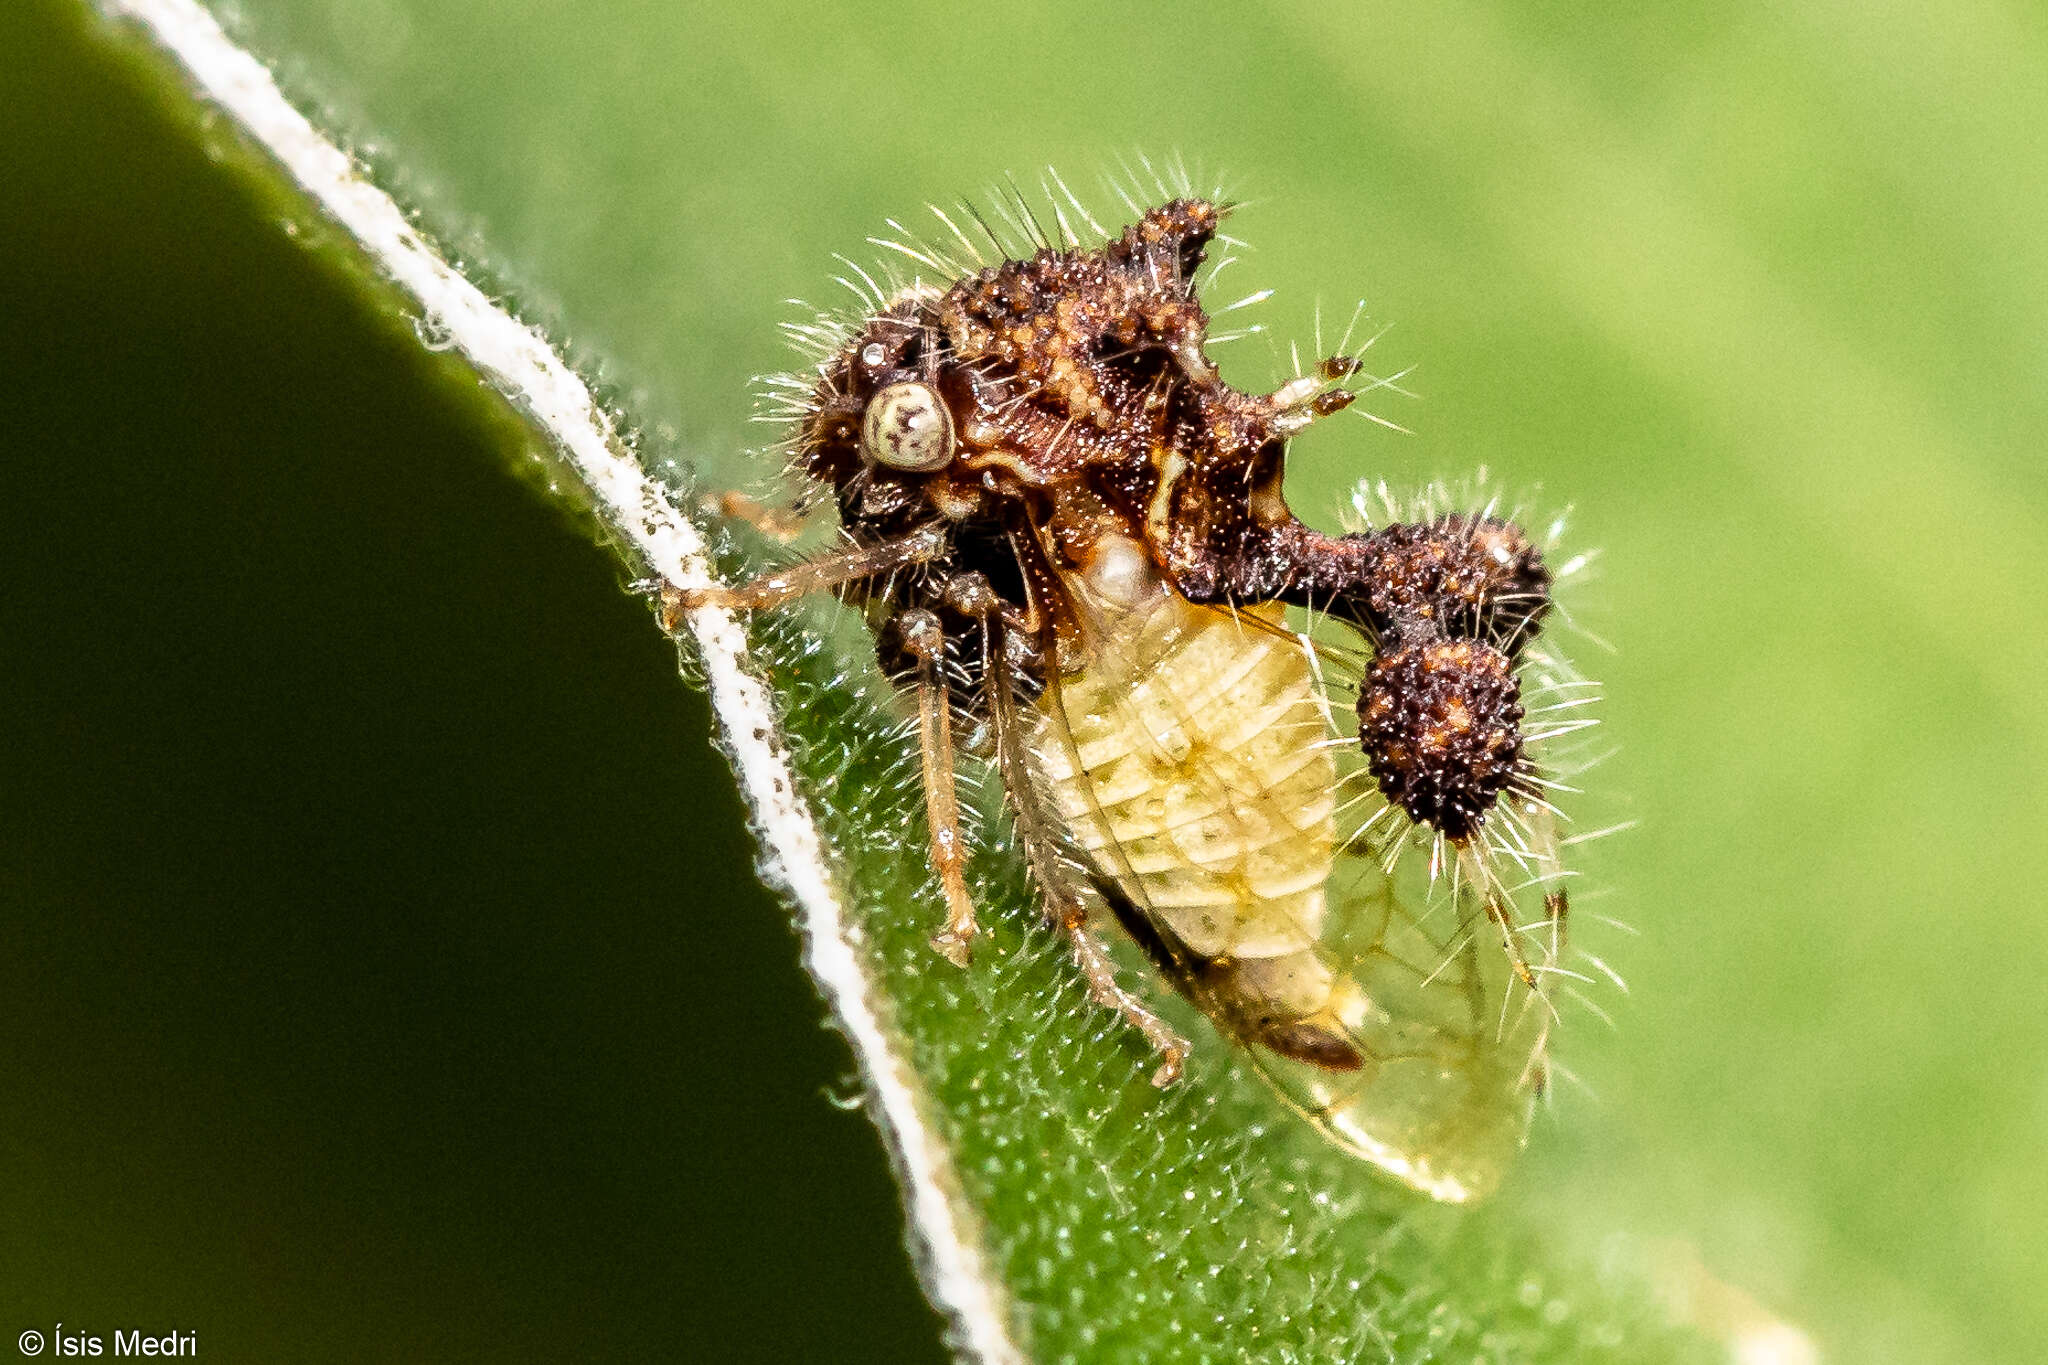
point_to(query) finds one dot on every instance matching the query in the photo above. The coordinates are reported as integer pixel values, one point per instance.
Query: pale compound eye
(907, 427)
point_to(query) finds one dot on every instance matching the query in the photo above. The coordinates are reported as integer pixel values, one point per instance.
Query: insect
(1296, 768)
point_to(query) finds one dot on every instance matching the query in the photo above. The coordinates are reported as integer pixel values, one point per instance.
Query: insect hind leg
(1091, 955)
(1063, 906)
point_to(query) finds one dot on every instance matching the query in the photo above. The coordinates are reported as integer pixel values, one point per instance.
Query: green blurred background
(354, 1009)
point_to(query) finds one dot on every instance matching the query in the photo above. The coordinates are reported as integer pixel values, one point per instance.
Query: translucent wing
(1206, 767)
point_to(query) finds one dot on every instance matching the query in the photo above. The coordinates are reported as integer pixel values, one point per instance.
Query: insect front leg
(782, 523)
(778, 586)
(1063, 905)
(924, 639)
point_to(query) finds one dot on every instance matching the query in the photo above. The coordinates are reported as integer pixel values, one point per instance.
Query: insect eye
(907, 427)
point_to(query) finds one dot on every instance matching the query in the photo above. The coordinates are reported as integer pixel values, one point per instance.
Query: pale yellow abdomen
(1198, 778)
(1200, 763)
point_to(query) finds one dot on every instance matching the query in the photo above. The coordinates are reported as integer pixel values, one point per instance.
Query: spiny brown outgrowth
(1046, 318)
(1451, 602)
(1460, 574)
(1439, 721)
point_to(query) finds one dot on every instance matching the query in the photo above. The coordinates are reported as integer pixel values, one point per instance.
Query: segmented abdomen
(1199, 782)
(1200, 765)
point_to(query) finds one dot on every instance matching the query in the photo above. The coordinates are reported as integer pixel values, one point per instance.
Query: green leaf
(1761, 296)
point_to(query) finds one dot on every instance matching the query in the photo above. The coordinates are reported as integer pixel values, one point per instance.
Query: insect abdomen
(1200, 786)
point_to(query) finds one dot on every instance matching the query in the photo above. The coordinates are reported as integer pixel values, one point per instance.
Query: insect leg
(1557, 907)
(1091, 955)
(777, 586)
(1501, 912)
(924, 639)
(780, 523)
(1500, 909)
(1064, 907)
